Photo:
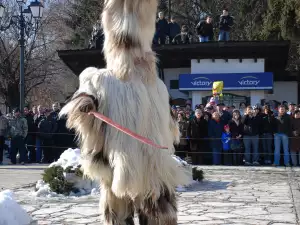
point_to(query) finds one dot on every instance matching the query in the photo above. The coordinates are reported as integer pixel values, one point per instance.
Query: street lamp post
(169, 3)
(23, 22)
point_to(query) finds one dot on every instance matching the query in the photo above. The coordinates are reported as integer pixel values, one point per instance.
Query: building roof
(275, 54)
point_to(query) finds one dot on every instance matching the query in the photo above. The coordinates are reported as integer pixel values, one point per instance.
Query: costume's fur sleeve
(86, 97)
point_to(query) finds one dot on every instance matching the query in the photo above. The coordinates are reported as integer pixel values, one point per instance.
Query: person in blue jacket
(226, 141)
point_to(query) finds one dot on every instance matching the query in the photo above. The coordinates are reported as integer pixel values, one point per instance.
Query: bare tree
(42, 64)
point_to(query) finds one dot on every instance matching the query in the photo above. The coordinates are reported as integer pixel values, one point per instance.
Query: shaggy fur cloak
(128, 91)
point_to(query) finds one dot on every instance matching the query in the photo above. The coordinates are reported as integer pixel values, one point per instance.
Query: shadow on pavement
(207, 185)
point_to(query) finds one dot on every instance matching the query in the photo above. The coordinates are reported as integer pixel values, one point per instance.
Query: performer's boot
(115, 211)
(161, 212)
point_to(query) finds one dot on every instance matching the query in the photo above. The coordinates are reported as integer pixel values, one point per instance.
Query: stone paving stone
(249, 211)
(47, 211)
(85, 211)
(247, 222)
(193, 218)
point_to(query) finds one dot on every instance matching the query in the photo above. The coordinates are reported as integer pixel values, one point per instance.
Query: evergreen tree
(282, 20)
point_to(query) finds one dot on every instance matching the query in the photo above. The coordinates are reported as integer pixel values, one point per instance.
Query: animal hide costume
(134, 177)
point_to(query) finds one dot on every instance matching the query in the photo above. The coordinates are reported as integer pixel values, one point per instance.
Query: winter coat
(226, 141)
(283, 124)
(162, 27)
(252, 125)
(225, 117)
(225, 23)
(174, 29)
(235, 129)
(31, 125)
(47, 127)
(54, 115)
(183, 126)
(182, 38)
(215, 130)
(268, 124)
(37, 118)
(197, 129)
(18, 127)
(295, 141)
(3, 125)
(205, 29)
(64, 137)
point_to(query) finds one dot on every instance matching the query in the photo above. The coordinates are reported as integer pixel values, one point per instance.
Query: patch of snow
(70, 157)
(11, 213)
(188, 170)
(43, 190)
(95, 191)
(180, 161)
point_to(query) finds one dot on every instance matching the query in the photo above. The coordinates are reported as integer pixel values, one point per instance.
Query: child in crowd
(226, 140)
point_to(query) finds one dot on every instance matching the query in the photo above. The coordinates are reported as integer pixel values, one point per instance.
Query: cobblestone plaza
(228, 195)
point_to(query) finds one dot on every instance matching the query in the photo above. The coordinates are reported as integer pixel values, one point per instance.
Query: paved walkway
(247, 195)
(16, 176)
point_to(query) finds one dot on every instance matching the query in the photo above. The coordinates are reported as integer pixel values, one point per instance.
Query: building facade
(252, 71)
(245, 80)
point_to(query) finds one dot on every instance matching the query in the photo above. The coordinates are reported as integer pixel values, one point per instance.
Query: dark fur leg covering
(161, 212)
(115, 211)
(129, 220)
(143, 219)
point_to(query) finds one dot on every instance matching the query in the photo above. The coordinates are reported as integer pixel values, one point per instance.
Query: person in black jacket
(236, 128)
(31, 135)
(225, 115)
(252, 125)
(38, 116)
(174, 28)
(205, 30)
(225, 24)
(47, 127)
(162, 29)
(64, 138)
(282, 134)
(197, 131)
(268, 129)
(215, 130)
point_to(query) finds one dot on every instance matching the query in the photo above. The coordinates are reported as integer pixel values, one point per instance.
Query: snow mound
(10, 212)
(70, 157)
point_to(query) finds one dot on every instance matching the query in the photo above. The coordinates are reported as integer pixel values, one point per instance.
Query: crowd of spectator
(219, 134)
(171, 32)
(211, 134)
(39, 136)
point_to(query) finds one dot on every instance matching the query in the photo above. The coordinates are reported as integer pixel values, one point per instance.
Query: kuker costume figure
(134, 176)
